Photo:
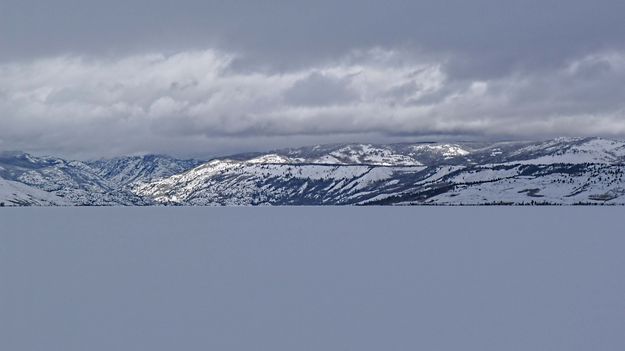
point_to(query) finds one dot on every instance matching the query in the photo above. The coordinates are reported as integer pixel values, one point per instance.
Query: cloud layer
(486, 37)
(202, 102)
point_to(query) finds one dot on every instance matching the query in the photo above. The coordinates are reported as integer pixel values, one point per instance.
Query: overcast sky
(193, 78)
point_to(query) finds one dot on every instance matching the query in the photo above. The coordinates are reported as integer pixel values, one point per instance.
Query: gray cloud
(75, 77)
(483, 38)
(199, 103)
(320, 89)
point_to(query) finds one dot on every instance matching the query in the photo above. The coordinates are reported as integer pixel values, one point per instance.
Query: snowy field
(295, 279)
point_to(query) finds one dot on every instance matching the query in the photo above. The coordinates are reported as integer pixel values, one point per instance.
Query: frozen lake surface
(419, 278)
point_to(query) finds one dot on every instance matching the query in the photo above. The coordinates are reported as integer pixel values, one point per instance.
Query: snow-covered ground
(19, 194)
(312, 278)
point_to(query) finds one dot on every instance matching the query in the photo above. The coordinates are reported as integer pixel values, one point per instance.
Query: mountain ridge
(556, 171)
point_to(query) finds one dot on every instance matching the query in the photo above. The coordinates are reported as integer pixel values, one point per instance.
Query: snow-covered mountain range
(559, 171)
(29, 180)
(131, 169)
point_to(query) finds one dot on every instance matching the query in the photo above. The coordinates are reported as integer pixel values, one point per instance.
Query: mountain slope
(73, 181)
(360, 154)
(243, 183)
(18, 194)
(123, 171)
(560, 171)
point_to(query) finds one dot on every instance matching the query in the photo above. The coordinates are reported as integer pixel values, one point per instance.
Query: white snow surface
(18, 194)
(370, 154)
(446, 150)
(575, 151)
